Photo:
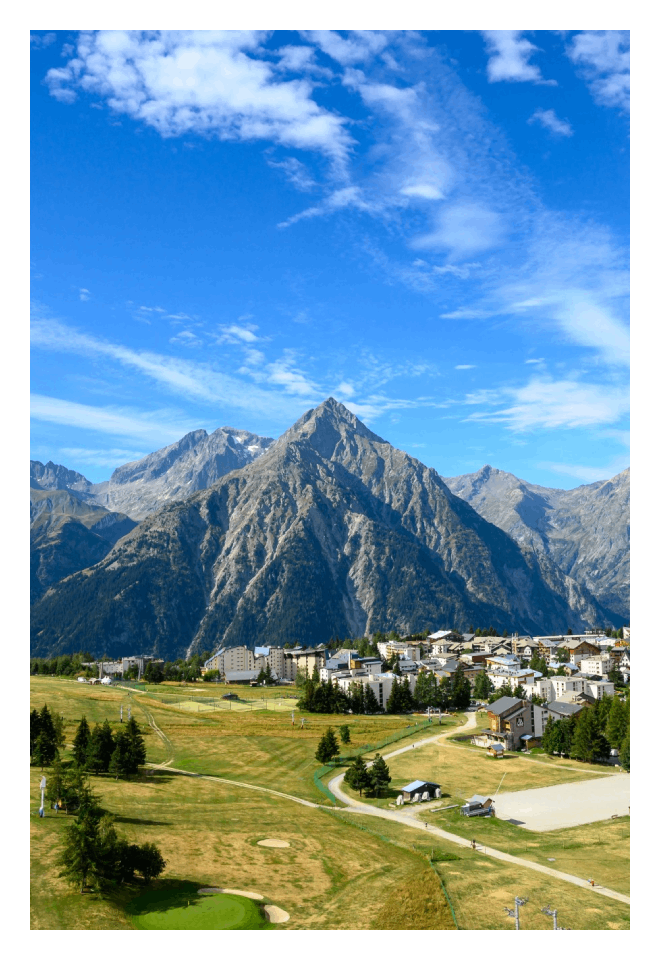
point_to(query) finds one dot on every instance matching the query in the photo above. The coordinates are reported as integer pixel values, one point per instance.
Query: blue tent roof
(417, 784)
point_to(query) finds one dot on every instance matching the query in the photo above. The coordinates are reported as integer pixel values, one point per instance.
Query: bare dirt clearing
(566, 804)
(273, 843)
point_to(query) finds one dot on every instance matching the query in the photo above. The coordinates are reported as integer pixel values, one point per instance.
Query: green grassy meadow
(208, 831)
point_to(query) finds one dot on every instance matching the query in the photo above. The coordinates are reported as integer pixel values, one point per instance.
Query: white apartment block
(409, 651)
(381, 684)
(303, 659)
(597, 665)
(272, 657)
(551, 688)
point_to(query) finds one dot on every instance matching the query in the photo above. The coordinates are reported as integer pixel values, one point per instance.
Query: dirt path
(410, 820)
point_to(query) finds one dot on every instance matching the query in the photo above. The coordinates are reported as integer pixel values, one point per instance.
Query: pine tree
(80, 742)
(345, 733)
(357, 776)
(370, 701)
(44, 751)
(624, 753)
(118, 766)
(393, 704)
(588, 742)
(616, 726)
(548, 738)
(483, 686)
(79, 858)
(136, 750)
(35, 729)
(328, 747)
(100, 748)
(380, 774)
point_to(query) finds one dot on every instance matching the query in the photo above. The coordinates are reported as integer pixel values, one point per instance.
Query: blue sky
(431, 227)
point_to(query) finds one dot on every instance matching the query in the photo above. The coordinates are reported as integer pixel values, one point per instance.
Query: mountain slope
(193, 463)
(585, 531)
(331, 531)
(67, 535)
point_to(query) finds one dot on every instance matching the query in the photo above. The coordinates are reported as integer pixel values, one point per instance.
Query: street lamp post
(519, 902)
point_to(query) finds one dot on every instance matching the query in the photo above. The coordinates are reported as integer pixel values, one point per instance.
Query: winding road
(407, 817)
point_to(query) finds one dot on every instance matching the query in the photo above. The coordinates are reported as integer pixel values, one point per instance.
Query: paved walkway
(409, 819)
(407, 816)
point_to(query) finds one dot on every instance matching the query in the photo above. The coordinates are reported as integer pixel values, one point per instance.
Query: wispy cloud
(184, 378)
(551, 404)
(208, 82)
(510, 54)
(464, 366)
(155, 428)
(83, 293)
(41, 40)
(295, 171)
(111, 457)
(589, 474)
(550, 120)
(604, 58)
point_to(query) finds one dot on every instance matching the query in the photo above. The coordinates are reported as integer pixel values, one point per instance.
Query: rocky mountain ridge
(584, 531)
(331, 531)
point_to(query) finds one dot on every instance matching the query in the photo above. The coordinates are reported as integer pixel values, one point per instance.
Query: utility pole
(519, 902)
(551, 913)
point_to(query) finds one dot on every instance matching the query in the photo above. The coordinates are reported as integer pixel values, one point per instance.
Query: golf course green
(184, 908)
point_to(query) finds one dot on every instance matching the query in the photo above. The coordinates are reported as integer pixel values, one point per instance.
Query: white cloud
(156, 428)
(111, 457)
(345, 389)
(427, 191)
(509, 57)
(232, 333)
(553, 404)
(535, 360)
(465, 229)
(550, 120)
(295, 172)
(186, 338)
(466, 313)
(83, 293)
(184, 378)
(337, 200)
(360, 46)
(604, 56)
(464, 366)
(40, 40)
(208, 82)
(589, 474)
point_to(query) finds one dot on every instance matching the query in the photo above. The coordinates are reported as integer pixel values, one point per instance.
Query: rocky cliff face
(67, 534)
(331, 531)
(585, 531)
(193, 463)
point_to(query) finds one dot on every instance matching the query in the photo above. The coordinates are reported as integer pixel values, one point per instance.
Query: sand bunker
(273, 843)
(239, 893)
(276, 914)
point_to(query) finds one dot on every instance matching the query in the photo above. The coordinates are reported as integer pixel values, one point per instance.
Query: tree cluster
(46, 736)
(373, 779)
(93, 855)
(591, 734)
(101, 751)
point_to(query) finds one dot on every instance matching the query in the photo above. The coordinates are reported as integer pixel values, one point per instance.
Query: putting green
(186, 909)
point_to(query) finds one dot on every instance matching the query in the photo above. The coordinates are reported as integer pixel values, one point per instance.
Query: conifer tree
(328, 747)
(588, 742)
(80, 742)
(345, 733)
(44, 751)
(393, 704)
(370, 701)
(357, 776)
(136, 751)
(380, 774)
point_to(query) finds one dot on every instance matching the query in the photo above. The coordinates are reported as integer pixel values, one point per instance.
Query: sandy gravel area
(239, 893)
(566, 805)
(273, 843)
(276, 914)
